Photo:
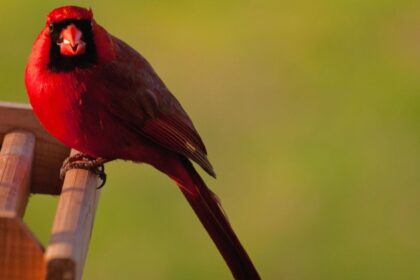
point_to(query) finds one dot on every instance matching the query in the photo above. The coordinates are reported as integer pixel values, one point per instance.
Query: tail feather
(208, 209)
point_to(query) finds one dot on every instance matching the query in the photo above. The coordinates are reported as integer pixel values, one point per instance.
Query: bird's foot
(82, 161)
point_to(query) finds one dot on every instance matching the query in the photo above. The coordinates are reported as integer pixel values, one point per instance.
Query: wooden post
(21, 256)
(66, 252)
(26, 167)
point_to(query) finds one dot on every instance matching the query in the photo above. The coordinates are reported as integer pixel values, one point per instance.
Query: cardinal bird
(99, 96)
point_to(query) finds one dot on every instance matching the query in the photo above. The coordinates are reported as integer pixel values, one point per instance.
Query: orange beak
(71, 42)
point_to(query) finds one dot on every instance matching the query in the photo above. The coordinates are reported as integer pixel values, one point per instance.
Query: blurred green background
(311, 114)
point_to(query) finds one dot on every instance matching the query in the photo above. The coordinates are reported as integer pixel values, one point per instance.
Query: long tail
(206, 206)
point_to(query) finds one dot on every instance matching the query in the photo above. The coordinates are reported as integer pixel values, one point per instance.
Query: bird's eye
(51, 27)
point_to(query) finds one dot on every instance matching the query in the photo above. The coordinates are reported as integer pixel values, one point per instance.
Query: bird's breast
(65, 104)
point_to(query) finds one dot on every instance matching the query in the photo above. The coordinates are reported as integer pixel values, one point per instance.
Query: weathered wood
(66, 252)
(49, 153)
(21, 255)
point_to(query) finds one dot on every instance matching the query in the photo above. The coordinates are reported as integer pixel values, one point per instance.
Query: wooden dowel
(66, 252)
(16, 158)
(21, 255)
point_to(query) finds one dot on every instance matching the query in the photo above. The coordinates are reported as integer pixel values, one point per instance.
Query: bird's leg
(70, 160)
(82, 161)
(73, 158)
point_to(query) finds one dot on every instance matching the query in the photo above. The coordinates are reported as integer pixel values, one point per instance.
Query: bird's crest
(69, 12)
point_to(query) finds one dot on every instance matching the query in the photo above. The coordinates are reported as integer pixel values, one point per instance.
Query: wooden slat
(21, 255)
(16, 157)
(66, 252)
(49, 153)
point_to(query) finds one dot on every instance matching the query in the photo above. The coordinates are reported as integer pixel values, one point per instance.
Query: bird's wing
(141, 101)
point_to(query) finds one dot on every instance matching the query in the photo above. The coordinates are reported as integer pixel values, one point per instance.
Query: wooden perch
(30, 160)
(73, 224)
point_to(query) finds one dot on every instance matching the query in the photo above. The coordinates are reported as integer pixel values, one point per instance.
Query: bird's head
(71, 38)
(70, 29)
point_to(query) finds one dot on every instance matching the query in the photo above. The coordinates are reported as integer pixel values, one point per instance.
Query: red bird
(96, 94)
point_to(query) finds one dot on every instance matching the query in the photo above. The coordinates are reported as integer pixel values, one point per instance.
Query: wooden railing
(30, 160)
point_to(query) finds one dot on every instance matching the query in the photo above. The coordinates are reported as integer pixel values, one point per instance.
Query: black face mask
(63, 63)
